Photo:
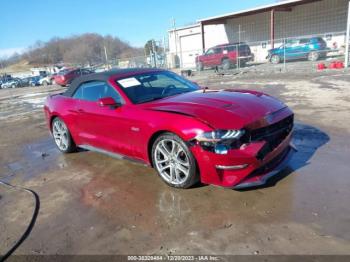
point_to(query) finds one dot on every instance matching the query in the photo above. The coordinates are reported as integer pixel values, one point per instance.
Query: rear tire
(226, 64)
(62, 137)
(313, 56)
(174, 162)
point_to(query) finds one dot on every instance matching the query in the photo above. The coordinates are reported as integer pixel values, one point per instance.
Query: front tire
(62, 136)
(174, 161)
(275, 59)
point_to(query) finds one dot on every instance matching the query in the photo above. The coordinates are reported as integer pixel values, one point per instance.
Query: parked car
(13, 83)
(311, 49)
(35, 81)
(66, 76)
(45, 81)
(225, 56)
(231, 138)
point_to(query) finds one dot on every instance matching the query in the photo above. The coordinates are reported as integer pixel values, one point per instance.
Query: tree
(79, 49)
(151, 46)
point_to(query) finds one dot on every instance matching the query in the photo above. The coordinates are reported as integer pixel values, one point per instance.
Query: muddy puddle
(35, 159)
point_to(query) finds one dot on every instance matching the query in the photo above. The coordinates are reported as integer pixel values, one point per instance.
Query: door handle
(80, 110)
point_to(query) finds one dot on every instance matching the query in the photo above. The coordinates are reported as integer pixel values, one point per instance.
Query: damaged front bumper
(241, 168)
(261, 178)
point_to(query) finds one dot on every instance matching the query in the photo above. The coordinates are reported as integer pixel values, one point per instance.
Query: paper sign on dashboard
(129, 82)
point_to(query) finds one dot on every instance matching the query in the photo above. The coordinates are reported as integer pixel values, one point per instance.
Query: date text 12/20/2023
(173, 258)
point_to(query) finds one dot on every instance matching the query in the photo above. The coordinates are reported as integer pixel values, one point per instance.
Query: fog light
(221, 149)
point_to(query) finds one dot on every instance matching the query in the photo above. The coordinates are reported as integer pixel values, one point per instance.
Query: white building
(262, 28)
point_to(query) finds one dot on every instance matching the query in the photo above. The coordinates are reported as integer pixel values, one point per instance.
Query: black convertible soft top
(103, 76)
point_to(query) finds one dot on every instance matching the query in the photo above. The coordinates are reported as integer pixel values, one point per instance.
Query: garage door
(190, 48)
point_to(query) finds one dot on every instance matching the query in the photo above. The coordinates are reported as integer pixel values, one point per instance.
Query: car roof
(105, 76)
(235, 43)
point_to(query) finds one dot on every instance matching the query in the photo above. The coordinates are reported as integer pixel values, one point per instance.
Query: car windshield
(153, 86)
(63, 72)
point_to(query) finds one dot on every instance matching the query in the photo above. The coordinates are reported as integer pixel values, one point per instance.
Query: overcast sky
(23, 22)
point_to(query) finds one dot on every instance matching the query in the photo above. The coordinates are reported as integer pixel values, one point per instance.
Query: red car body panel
(69, 76)
(128, 130)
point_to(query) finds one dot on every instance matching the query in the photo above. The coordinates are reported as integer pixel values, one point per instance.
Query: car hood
(225, 109)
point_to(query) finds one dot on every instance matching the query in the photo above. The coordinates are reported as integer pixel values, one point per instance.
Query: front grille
(274, 135)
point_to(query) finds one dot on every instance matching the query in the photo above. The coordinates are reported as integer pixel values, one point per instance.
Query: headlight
(220, 141)
(219, 135)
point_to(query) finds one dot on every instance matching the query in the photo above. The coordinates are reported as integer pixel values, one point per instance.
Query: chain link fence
(244, 44)
(305, 52)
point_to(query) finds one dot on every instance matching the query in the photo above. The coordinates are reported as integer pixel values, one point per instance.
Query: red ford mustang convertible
(230, 138)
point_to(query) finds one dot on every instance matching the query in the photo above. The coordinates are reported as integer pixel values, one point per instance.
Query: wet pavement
(93, 204)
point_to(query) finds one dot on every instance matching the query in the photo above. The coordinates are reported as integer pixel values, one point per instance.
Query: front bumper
(250, 170)
(260, 179)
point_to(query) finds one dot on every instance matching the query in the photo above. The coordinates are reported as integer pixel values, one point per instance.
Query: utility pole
(154, 49)
(175, 37)
(106, 56)
(347, 39)
(239, 43)
(164, 53)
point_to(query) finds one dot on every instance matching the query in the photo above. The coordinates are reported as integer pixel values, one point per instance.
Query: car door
(210, 57)
(106, 128)
(304, 48)
(218, 56)
(293, 50)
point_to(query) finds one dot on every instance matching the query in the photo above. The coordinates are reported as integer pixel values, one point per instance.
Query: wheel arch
(151, 142)
(225, 58)
(52, 117)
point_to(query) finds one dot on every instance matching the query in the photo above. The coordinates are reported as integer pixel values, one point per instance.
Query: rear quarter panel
(65, 108)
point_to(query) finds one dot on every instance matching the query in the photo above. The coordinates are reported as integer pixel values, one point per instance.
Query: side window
(78, 93)
(111, 92)
(210, 52)
(92, 91)
(95, 90)
(231, 48)
(217, 50)
(304, 41)
(292, 43)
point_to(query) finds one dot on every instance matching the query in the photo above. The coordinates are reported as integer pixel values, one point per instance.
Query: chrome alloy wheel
(172, 162)
(60, 134)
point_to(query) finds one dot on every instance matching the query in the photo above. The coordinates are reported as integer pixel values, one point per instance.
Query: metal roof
(260, 9)
(184, 27)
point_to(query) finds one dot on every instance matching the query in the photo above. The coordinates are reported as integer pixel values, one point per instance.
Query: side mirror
(108, 101)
